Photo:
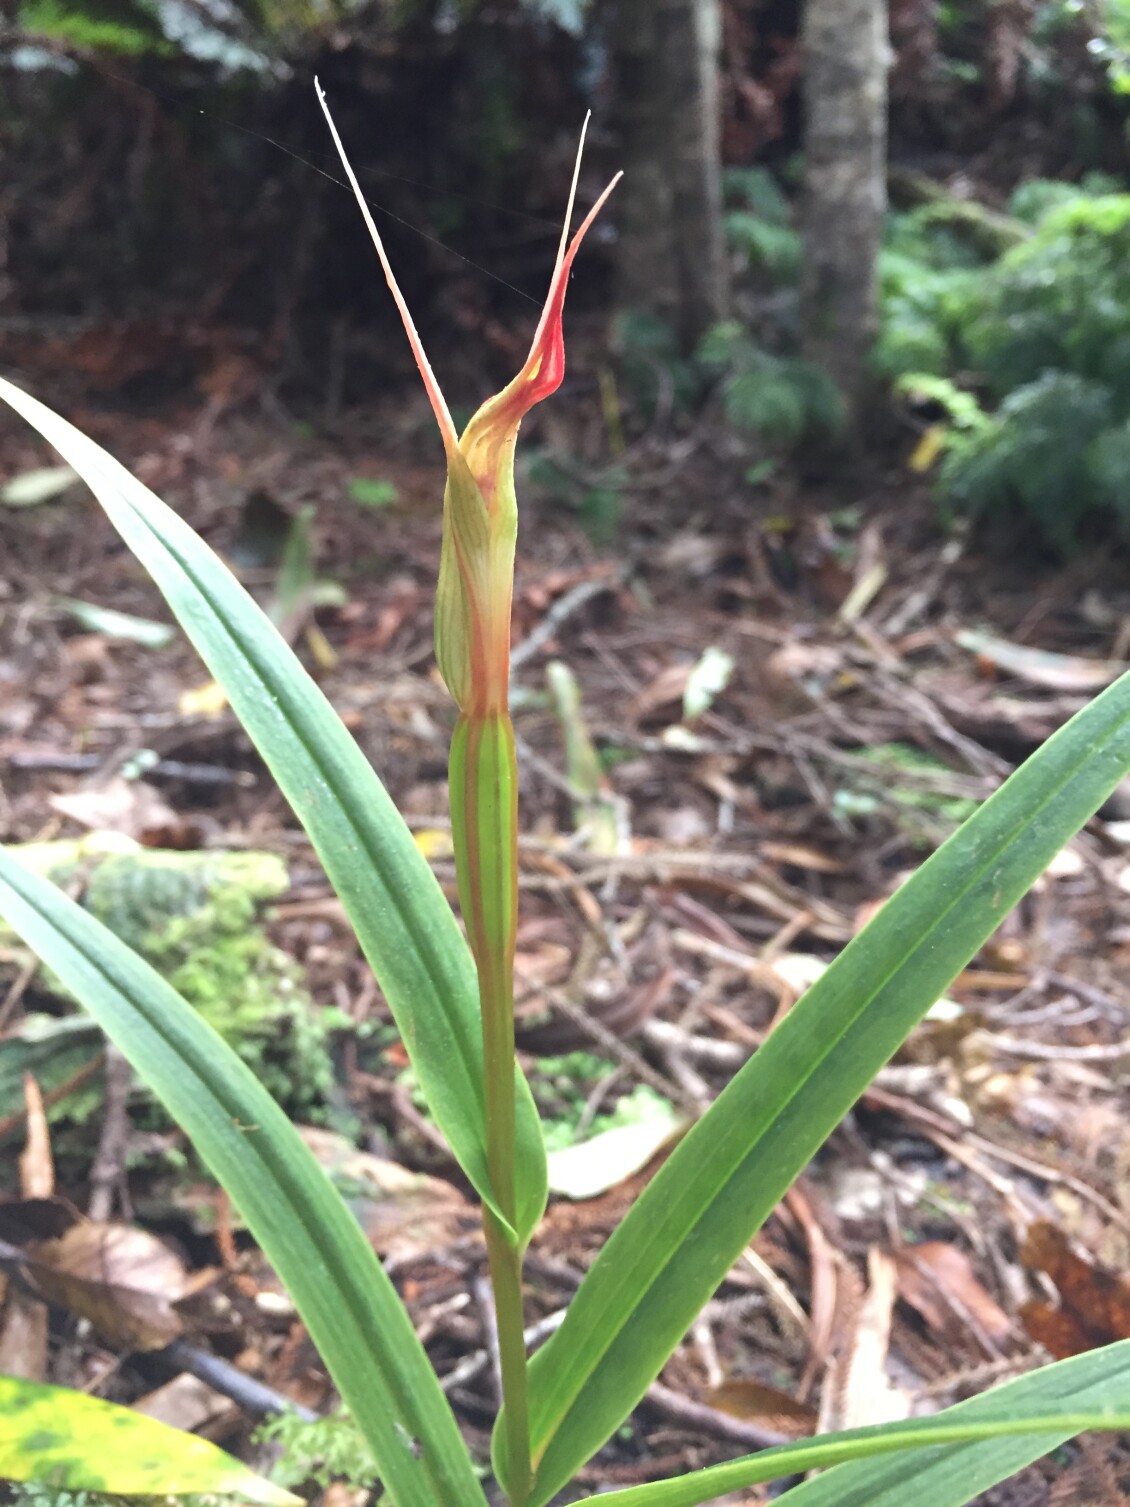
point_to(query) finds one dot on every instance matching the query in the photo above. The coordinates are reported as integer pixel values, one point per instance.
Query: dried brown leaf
(403, 1213)
(23, 1321)
(755, 1402)
(26, 1219)
(123, 1280)
(1042, 667)
(184, 1403)
(1094, 1304)
(938, 1281)
(128, 806)
(866, 1393)
(666, 687)
(37, 1168)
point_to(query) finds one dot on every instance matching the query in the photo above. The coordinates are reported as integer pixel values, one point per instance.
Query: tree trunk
(846, 55)
(672, 258)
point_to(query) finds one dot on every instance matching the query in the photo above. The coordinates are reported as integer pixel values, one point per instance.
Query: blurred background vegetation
(844, 226)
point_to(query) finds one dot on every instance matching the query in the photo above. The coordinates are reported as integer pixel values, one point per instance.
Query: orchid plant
(452, 997)
(472, 638)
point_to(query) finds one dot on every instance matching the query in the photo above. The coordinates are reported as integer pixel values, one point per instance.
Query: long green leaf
(723, 1180)
(942, 1461)
(403, 923)
(79, 1443)
(339, 1287)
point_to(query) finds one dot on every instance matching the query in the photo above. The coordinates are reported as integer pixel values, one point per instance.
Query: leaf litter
(727, 766)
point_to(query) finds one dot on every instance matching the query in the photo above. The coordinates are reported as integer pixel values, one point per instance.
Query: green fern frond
(1034, 453)
(768, 405)
(961, 408)
(776, 249)
(755, 188)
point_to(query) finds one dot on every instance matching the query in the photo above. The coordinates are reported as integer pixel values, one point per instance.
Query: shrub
(780, 399)
(759, 224)
(1043, 333)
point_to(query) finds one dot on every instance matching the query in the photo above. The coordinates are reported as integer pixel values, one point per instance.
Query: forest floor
(969, 1215)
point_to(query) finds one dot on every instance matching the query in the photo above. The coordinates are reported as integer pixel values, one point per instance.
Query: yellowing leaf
(324, 653)
(80, 1443)
(434, 842)
(203, 701)
(928, 448)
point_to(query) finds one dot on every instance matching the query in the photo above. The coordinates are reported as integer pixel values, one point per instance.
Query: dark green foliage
(1041, 336)
(759, 223)
(961, 408)
(1034, 452)
(781, 399)
(1061, 300)
(1111, 43)
(595, 497)
(756, 189)
(649, 362)
(1033, 200)
(1108, 471)
(921, 316)
(144, 27)
(928, 272)
(130, 27)
(775, 248)
(766, 391)
(1073, 53)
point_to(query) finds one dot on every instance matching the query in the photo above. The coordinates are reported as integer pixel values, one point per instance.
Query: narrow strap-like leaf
(339, 1287)
(941, 1461)
(690, 1224)
(404, 925)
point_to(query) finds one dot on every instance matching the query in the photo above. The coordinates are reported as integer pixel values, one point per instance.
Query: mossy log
(197, 917)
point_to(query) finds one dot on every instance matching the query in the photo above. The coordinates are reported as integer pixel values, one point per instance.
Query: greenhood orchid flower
(480, 507)
(472, 635)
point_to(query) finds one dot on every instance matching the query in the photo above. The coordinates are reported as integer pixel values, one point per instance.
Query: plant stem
(483, 777)
(506, 1279)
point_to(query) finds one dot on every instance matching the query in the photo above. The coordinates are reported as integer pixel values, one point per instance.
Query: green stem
(484, 822)
(506, 1279)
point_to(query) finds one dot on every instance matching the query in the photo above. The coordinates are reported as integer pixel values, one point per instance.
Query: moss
(196, 918)
(320, 1452)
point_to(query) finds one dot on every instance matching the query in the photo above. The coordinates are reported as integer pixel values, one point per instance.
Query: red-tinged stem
(505, 1261)
(484, 821)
